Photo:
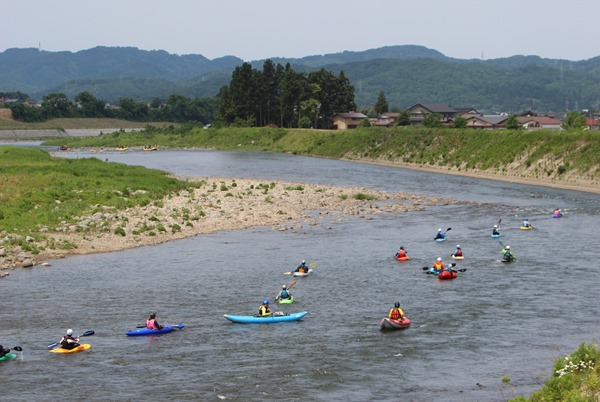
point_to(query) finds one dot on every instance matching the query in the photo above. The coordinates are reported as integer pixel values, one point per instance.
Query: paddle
(17, 348)
(451, 267)
(86, 333)
(312, 265)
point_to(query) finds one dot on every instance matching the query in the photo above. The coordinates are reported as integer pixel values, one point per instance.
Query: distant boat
(150, 148)
(63, 148)
(121, 149)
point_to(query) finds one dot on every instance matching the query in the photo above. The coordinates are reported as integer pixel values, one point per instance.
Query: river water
(494, 321)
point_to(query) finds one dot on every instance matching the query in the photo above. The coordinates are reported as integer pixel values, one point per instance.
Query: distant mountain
(407, 75)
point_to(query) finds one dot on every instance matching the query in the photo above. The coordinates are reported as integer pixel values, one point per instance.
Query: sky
(261, 29)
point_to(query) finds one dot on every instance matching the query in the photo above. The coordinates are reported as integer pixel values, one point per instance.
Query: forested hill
(406, 74)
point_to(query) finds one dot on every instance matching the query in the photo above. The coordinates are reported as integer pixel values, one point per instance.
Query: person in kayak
(263, 309)
(439, 265)
(151, 322)
(396, 313)
(302, 268)
(458, 252)
(284, 294)
(495, 231)
(3, 351)
(68, 341)
(557, 212)
(525, 223)
(507, 254)
(401, 253)
(440, 234)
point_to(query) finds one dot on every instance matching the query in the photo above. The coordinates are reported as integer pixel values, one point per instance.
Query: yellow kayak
(526, 227)
(80, 348)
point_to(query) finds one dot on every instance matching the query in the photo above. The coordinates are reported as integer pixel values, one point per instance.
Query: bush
(119, 231)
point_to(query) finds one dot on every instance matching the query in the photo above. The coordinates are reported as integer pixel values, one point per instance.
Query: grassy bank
(561, 156)
(39, 192)
(575, 377)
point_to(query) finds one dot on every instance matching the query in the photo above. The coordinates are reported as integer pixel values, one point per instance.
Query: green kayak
(286, 301)
(8, 356)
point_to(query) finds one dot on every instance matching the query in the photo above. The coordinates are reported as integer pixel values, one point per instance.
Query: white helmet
(508, 247)
(440, 229)
(283, 286)
(69, 332)
(495, 226)
(458, 246)
(303, 261)
(439, 259)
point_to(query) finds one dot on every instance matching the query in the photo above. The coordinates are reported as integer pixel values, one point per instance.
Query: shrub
(119, 231)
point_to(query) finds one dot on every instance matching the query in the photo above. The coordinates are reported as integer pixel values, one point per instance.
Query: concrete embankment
(21, 135)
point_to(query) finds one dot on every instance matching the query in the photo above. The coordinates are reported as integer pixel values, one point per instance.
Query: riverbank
(219, 204)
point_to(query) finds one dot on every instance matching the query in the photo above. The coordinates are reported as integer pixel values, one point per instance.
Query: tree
(432, 120)
(381, 106)
(403, 118)
(57, 105)
(574, 121)
(512, 123)
(460, 122)
(88, 105)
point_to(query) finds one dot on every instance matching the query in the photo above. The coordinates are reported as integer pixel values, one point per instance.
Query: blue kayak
(496, 235)
(252, 319)
(433, 271)
(440, 239)
(164, 330)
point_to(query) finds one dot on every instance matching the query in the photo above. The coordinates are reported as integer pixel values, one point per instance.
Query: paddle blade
(53, 345)
(425, 268)
(313, 265)
(287, 273)
(292, 285)
(17, 348)
(88, 333)
(449, 229)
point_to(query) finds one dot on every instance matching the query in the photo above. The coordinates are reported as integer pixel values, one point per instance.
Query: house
(592, 124)
(344, 121)
(420, 110)
(486, 122)
(385, 120)
(539, 122)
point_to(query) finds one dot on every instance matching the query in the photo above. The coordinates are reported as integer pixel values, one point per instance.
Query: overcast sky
(259, 29)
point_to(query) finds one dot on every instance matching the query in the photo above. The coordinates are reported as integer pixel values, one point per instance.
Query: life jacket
(557, 212)
(395, 314)
(438, 265)
(68, 342)
(401, 253)
(285, 294)
(263, 310)
(458, 253)
(151, 323)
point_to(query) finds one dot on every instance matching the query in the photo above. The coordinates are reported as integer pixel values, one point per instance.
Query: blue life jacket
(285, 294)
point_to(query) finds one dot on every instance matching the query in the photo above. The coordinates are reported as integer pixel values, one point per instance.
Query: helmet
(397, 304)
(526, 219)
(508, 247)
(283, 286)
(439, 259)
(265, 301)
(495, 226)
(303, 261)
(69, 331)
(401, 247)
(440, 229)
(458, 246)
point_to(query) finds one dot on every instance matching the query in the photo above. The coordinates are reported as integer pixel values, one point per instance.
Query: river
(495, 321)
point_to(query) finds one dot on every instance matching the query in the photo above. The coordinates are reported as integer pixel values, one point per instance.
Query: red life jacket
(395, 314)
(151, 323)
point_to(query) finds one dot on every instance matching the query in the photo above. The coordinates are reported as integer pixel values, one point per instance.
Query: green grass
(75, 123)
(40, 191)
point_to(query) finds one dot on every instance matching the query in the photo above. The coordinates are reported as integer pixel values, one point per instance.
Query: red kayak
(388, 323)
(447, 274)
(402, 258)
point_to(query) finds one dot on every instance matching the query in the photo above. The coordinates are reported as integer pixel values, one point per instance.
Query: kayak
(447, 274)
(557, 215)
(440, 239)
(405, 258)
(286, 301)
(457, 257)
(388, 323)
(303, 274)
(8, 356)
(526, 227)
(434, 271)
(164, 330)
(252, 319)
(80, 348)
(496, 235)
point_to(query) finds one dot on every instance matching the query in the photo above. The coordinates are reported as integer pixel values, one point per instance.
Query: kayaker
(507, 254)
(525, 223)
(68, 341)
(302, 268)
(396, 313)
(401, 253)
(284, 294)
(439, 265)
(557, 212)
(3, 351)
(151, 322)
(458, 252)
(495, 230)
(263, 309)
(440, 234)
